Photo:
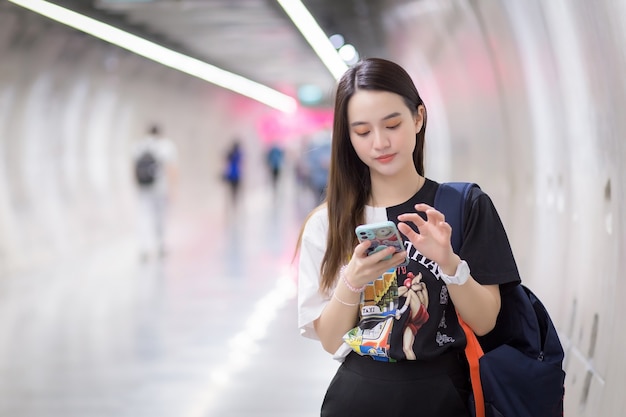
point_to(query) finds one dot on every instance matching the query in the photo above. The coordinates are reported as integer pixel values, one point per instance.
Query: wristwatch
(460, 277)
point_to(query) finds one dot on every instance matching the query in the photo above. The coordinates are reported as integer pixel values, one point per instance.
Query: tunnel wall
(71, 108)
(524, 99)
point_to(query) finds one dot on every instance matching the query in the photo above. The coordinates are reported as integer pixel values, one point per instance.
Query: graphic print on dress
(443, 338)
(416, 302)
(379, 302)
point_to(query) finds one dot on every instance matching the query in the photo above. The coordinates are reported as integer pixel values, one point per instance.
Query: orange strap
(474, 352)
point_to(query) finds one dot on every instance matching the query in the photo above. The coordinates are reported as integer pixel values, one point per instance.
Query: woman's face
(382, 131)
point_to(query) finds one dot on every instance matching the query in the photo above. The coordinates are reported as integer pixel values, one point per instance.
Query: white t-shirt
(311, 301)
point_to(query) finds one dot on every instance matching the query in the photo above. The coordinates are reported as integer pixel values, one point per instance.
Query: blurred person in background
(275, 157)
(155, 168)
(317, 162)
(232, 171)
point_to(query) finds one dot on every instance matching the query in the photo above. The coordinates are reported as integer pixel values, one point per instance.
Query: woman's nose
(381, 141)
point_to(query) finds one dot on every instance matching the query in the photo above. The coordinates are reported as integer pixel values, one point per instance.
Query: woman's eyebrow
(357, 123)
(390, 116)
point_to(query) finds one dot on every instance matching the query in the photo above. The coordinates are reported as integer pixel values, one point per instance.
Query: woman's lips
(385, 158)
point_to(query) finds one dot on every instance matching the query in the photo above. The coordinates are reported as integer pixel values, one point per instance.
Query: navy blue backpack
(521, 371)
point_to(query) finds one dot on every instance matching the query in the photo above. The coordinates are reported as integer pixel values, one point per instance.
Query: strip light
(315, 36)
(162, 55)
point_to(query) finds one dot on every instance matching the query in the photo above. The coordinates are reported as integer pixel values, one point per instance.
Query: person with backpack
(377, 174)
(155, 173)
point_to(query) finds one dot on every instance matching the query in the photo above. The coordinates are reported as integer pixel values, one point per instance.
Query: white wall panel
(531, 93)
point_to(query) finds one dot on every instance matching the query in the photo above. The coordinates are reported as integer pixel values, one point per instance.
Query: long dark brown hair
(349, 184)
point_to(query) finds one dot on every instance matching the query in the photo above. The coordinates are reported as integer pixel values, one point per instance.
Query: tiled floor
(208, 331)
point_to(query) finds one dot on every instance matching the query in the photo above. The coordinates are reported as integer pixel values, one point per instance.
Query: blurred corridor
(208, 330)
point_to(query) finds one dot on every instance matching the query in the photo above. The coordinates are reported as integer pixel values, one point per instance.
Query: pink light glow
(280, 127)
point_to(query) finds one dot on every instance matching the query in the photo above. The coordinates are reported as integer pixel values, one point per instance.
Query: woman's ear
(419, 118)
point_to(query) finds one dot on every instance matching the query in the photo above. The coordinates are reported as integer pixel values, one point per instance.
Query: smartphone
(382, 235)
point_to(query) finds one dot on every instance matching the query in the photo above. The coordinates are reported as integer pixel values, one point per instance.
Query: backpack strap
(450, 200)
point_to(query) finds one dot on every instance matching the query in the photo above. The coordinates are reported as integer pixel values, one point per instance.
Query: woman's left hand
(433, 239)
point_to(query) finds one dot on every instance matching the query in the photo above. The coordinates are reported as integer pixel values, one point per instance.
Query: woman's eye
(394, 126)
(361, 132)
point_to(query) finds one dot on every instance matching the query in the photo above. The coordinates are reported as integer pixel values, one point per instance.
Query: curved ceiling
(252, 38)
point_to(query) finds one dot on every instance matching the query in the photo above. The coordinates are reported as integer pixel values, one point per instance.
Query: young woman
(377, 174)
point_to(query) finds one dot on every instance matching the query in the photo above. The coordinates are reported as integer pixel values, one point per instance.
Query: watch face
(460, 277)
(463, 270)
(462, 273)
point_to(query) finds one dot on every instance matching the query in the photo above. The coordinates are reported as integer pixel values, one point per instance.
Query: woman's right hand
(363, 269)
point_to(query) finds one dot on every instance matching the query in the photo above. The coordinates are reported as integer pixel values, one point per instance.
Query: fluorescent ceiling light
(315, 36)
(162, 55)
